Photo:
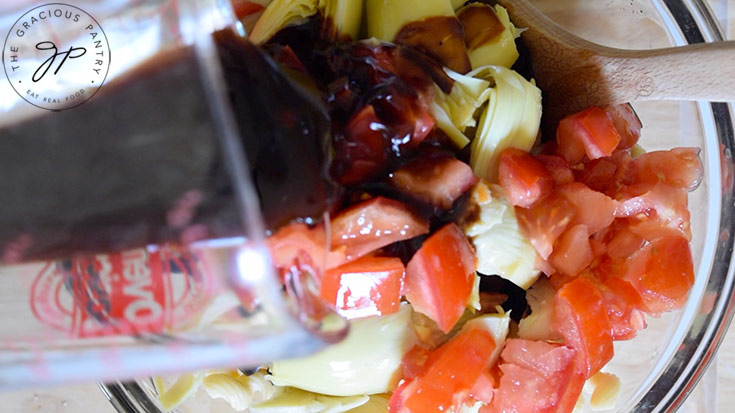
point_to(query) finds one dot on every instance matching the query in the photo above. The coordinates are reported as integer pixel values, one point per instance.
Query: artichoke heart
(537, 326)
(342, 18)
(430, 26)
(368, 361)
(501, 247)
(512, 117)
(279, 14)
(456, 4)
(489, 35)
(454, 112)
(385, 18)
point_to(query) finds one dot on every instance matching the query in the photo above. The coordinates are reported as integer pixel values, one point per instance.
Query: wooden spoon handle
(704, 71)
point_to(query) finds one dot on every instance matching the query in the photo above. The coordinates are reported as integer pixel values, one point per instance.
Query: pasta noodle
(184, 387)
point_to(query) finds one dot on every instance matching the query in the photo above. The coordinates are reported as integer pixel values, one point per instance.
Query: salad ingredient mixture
(480, 269)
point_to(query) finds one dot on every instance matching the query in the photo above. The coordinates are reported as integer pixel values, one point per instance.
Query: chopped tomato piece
(598, 174)
(590, 130)
(369, 286)
(373, 224)
(680, 167)
(623, 242)
(441, 275)
(406, 116)
(545, 359)
(627, 124)
(558, 168)
(663, 273)
(658, 211)
(544, 222)
(522, 390)
(415, 362)
(568, 146)
(593, 209)
(580, 316)
(287, 57)
(524, 179)
(574, 387)
(536, 377)
(296, 240)
(484, 388)
(437, 180)
(572, 251)
(244, 8)
(623, 308)
(364, 145)
(450, 375)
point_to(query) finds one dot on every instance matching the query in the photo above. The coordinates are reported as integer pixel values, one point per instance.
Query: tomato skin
(663, 273)
(572, 251)
(369, 286)
(373, 224)
(580, 316)
(524, 179)
(589, 132)
(450, 374)
(437, 180)
(440, 276)
(593, 209)
(544, 222)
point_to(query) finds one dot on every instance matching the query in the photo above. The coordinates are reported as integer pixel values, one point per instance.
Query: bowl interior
(662, 364)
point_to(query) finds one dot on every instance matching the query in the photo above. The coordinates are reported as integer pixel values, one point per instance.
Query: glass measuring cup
(154, 204)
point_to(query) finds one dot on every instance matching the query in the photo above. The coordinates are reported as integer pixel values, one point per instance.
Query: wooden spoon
(575, 73)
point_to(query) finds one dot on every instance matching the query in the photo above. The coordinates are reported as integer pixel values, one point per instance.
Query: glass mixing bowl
(661, 366)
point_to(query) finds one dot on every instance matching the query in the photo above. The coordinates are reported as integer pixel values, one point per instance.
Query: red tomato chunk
(373, 224)
(662, 273)
(449, 375)
(580, 316)
(545, 221)
(572, 251)
(537, 377)
(440, 276)
(370, 286)
(524, 179)
(297, 239)
(589, 132)
(435, 180)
